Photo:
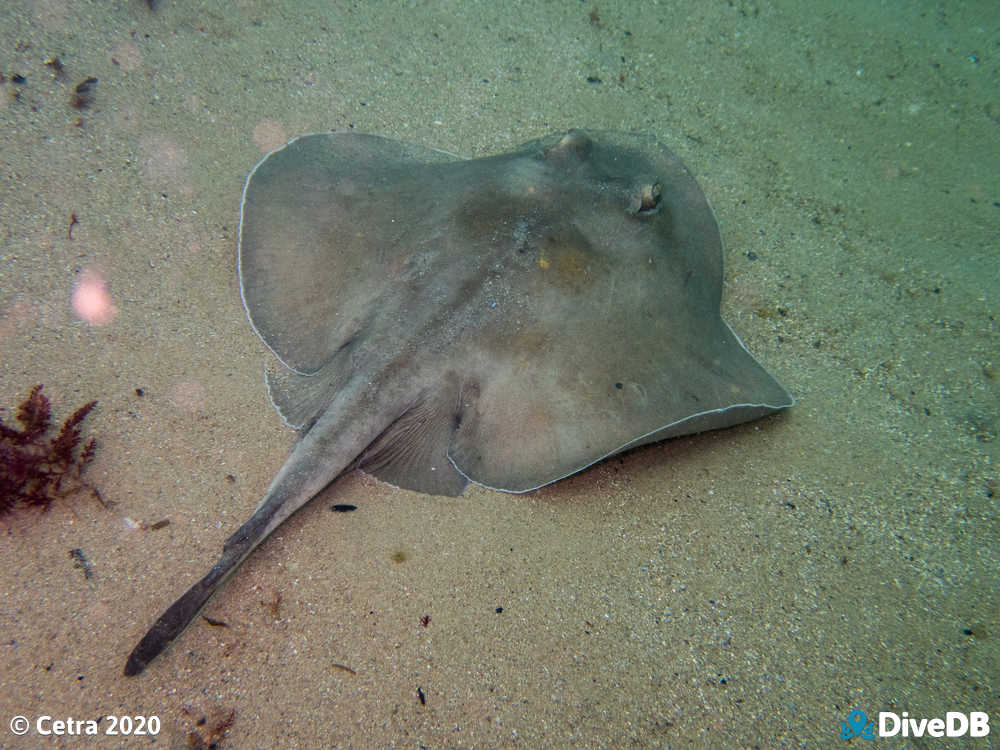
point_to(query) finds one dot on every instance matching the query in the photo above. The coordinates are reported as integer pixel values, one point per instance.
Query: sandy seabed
(738, 589)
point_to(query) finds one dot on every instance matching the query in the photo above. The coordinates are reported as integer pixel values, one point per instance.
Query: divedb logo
(954, 724)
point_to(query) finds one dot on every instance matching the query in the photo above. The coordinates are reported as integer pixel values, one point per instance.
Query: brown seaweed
(37, 469)
(209, 729)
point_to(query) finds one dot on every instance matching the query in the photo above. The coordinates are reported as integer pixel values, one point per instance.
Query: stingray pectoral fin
(180, 614)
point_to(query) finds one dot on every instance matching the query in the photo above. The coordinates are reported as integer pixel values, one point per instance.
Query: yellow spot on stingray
(543, 263)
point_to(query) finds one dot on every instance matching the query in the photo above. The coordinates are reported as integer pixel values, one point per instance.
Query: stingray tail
(322, 453)
(272, 512)
(180, 614)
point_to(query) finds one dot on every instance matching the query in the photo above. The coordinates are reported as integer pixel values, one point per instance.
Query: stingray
(506, 321)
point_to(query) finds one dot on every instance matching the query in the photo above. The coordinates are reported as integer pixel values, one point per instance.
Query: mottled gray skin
(507, 321)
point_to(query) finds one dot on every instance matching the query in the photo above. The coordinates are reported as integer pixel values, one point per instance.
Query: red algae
(36, 468)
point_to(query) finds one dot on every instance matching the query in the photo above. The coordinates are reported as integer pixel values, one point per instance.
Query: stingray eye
(649, 198)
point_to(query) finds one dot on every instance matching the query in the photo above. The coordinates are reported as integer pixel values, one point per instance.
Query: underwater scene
(496, 375)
